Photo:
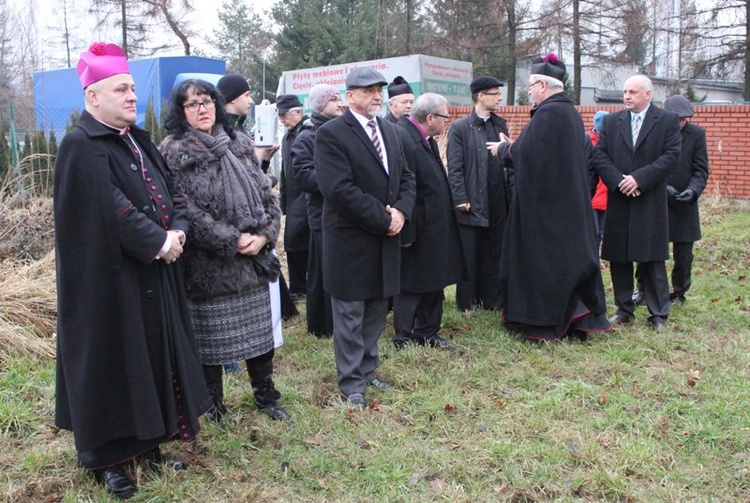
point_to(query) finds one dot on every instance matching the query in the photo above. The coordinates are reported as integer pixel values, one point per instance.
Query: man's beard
(374, 109)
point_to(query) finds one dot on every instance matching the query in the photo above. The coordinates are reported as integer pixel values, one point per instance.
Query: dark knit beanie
(232, 85)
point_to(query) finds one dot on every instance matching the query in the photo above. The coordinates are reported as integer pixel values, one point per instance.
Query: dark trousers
(318, 302)
(653, 277)
(259, 368)
(599, 218)
(417, 316)
(482, 253)
(296, 263)
(682, 254)
(357, 325)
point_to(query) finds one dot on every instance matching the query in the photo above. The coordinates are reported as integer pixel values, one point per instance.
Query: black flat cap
(364, 77)
(550, 65)
(286, 101)
(483, 83)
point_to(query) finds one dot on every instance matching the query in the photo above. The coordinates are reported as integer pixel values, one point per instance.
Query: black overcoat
(468, 166)
(550, 255)
(691, 173)
(292, 199)
(434, 258)
(636, 228)
(360, 261)
(123, 323)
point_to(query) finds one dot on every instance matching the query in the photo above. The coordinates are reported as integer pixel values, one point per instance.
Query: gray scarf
(244, 204)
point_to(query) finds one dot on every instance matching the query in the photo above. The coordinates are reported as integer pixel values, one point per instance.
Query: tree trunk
(576, 52)
(123, 12)
(510, 9)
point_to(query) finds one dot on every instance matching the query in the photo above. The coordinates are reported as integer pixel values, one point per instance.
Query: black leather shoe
(435, 341)
(677, 300)
(117, 482)
(401, 343)
(274, 411)
(381, 385)
(658, 325)
(620, 319)
(156, 461)
(357, 400)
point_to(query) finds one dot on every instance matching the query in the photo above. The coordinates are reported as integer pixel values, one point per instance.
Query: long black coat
(303, 164)
(636, 228)
(359, 260)
(123, 323)
(293, 201)
(550, 254)
(467, 166)
(691, 173)
(434, 258)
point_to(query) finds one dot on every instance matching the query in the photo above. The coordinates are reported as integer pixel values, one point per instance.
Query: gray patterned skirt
(233, 328)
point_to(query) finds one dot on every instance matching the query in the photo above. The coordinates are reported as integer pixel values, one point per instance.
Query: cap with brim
(550, 65)
(364, 77)
(679, 105)
(286, 102)
(101, 61)
(483, 83)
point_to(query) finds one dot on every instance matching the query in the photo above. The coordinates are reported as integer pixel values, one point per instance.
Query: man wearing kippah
(368, 195)
(128, 377)
(326, 104)
(400, 99)
(480, 185)
(551, 281)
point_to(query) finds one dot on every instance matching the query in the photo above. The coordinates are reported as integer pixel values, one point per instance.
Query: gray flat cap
(364, 77)
(679, 105)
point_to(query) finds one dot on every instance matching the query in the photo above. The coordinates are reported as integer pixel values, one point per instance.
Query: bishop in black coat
(551, 281)
(128, 376)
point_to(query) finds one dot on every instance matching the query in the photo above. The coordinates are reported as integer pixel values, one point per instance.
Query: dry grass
(28, 307)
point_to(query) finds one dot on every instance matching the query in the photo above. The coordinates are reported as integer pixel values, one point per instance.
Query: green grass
(627, 416)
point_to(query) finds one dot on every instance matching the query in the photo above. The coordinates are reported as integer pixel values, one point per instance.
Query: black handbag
(266, 263)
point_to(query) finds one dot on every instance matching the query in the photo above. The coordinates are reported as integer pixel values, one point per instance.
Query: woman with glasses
(234, 222)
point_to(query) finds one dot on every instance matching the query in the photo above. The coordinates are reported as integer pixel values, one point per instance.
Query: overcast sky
(50, 27)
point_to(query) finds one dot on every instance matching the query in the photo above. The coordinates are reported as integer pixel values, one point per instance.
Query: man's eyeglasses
(490, 94)
(194, 106)
(535, 83)
(443, 116)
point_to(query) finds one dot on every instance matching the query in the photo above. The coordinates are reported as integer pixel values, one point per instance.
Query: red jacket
(599, 201)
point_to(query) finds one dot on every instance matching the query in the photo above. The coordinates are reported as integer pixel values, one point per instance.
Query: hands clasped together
(175, 246)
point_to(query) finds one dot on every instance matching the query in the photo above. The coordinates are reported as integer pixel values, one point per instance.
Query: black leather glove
(686, 196)
(671, 194)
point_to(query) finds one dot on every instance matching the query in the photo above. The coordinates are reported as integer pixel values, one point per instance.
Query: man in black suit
(684, 186)
(292, 200)
(480, 185)
(368, 195)
(431, 253)
(637, 150)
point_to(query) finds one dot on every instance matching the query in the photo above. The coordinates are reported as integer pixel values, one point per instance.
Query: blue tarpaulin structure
(57, 93)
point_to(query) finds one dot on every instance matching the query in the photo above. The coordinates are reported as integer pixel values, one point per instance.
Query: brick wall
(727, 134)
